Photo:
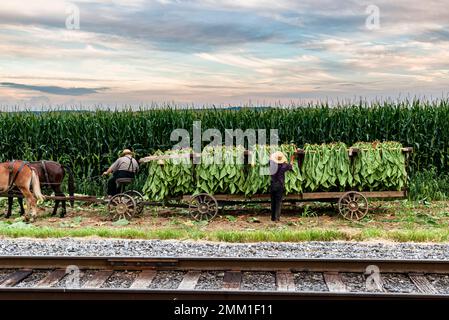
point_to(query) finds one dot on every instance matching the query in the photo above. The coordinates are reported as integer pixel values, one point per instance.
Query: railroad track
(30, 277)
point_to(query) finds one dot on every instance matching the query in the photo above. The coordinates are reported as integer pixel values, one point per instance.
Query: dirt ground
(394, 215)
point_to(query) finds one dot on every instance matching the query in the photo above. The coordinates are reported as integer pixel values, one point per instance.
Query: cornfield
(90, 141)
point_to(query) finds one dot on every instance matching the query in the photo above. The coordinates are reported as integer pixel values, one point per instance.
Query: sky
(139, 52)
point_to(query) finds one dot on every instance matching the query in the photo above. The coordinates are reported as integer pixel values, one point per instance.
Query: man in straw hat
(124, 167)
(278, 167)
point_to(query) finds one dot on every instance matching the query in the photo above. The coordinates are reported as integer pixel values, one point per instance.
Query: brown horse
(51, 175)
(20, 174)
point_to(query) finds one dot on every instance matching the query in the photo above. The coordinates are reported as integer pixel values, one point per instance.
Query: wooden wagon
(352, 204)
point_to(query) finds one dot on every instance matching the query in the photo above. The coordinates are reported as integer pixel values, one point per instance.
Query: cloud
(185, 26)
(433, 36)
(53, 89)
(220, 50)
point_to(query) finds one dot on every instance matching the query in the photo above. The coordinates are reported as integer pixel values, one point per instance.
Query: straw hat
(278, 157)
(125, 152)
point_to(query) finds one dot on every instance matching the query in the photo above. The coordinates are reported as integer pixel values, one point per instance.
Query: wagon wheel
(353, 205)
(122, 206)
(203, 207)
(138, 198)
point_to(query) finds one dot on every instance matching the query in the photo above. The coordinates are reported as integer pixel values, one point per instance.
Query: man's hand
(105, 173)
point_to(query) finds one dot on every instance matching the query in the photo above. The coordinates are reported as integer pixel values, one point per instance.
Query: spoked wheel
(138, 198)
(203, 206)
(353, 205)
(122, 206)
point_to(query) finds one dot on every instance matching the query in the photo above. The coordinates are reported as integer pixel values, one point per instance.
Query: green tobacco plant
(169, 177)
(221, 170)
(326, 167)
(258, 177)
(379, 166)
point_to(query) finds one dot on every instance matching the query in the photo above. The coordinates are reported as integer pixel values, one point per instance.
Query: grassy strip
(230, 236)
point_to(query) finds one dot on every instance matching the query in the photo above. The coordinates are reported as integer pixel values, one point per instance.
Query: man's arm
(289, 166)
(111, 168)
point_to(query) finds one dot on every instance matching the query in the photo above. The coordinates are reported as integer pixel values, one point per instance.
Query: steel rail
(174, 294)
(226, 263)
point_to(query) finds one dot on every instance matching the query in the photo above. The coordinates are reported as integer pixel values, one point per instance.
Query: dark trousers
(277, 193)
(112, 183)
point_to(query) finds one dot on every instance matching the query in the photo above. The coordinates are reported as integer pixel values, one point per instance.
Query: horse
(51, 175)
(20, 174)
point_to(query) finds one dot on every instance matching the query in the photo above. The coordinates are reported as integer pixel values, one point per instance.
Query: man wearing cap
(278, 167)
(124, 167)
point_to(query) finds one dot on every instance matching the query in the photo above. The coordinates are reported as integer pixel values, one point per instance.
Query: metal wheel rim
(203, 206)
(121, 206)
(353, 206)
(138, 198)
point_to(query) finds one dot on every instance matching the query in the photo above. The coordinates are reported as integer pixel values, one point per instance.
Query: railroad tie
(52, 278)
(190, 280)
(421, 282)
(334, 282)
(231, 280)
(144, 279)
(285, 281)
(15, 278)
(98, 279)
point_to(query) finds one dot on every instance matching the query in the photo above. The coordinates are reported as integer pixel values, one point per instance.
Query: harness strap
(10, 169)
(44, 167)
(13, 177)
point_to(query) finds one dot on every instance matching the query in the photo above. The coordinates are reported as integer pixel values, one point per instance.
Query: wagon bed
(309, 196)
(352, 204)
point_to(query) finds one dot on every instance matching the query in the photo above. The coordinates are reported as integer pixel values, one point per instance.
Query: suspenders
(13, 177)
(131, 164)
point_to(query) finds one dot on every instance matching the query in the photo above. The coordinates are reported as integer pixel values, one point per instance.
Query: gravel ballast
(397, 282)
(258, 281)
(167, 280)
(440, 282)
(72, 280)
(210, 281)
(120, 279)
(355, 282)
(175, 248)
(5, 273)
(32, 279)
(309, 281)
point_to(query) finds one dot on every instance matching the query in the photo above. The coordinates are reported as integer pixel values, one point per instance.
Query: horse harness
(12, 176)
(44, 167)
